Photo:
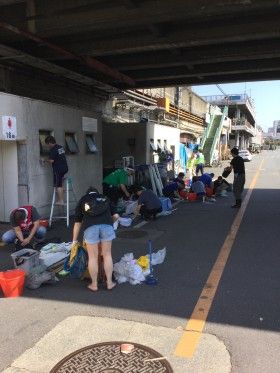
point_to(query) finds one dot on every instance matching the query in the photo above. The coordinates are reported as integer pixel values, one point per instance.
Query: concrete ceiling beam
(61, 18)
(25, 59)
(89, 61)
(223, 33)
(235, 78)
(192, 56)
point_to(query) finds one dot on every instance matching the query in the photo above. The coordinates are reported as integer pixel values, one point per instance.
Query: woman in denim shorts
(98, 229)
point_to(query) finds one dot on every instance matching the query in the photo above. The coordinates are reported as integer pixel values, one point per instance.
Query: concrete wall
(35, 179)
(117, 137)
(160, 132)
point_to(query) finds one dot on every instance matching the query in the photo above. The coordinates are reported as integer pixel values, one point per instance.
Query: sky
(265, 95)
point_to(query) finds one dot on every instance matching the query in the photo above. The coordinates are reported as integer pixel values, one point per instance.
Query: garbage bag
(159, 256)
(143, 261)
(39, 276)
(127, 270)
(130, 207)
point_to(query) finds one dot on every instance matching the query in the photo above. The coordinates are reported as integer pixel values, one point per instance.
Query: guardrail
(206, 132)
(218, 134)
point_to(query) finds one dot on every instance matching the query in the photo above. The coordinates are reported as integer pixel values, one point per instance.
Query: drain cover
(107, 358)
(132, 233)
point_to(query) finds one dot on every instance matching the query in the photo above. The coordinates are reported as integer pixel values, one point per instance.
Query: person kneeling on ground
(207, 179)
(180, 180)
(199, 188)
(25, 222)
(115, 184)
(172, 188)
(94, 214)
(149, 205)
(221, 186)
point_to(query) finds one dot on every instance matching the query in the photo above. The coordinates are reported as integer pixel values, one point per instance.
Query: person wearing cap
(115, 184)
(25, 222)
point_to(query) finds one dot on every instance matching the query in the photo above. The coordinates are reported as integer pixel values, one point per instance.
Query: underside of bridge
(123, 44)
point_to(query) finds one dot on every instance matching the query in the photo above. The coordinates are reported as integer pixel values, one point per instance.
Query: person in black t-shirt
(98, 230)
(59, 164)
(237, 164)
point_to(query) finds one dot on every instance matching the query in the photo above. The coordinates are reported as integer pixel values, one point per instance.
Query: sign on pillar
(9, 127)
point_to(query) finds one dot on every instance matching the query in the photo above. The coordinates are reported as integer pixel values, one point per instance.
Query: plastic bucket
(184, 194)
(125, 222)
(12, 283)
(44, 223)
(192, 197)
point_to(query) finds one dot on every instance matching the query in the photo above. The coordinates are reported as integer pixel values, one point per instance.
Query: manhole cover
(133, 233)
(107, 358)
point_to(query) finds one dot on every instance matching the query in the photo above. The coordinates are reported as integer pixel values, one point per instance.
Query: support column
(242, 146)
(237, 138)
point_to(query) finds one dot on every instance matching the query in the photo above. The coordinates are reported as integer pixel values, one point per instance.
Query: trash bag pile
(54, 252)
(134, 271)
(39, 275)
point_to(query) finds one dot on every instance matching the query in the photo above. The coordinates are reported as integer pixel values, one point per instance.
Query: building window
(71, 143)
(43, 134)
(152, 145)
(91, 144)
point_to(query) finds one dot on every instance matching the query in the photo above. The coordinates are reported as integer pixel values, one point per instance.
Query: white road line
(139, 225)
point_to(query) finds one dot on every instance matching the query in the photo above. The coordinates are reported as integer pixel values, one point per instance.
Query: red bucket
(44, 223)
(192, 197)
(184, 194)
(12, 283)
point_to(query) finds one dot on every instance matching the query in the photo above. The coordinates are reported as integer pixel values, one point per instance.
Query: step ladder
(68, 190)
(155, 178)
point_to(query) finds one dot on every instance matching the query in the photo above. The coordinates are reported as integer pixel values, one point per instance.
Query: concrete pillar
(242, 146)
(237, 138)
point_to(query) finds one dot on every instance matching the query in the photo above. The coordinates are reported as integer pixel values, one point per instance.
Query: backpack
(95, 204)
(76, 263)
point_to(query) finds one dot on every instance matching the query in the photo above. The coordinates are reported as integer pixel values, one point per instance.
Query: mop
(150, 279)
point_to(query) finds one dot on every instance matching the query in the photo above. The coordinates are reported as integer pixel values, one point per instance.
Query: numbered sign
(9, 127)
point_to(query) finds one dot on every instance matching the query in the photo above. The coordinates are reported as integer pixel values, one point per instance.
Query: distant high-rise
(276, 129)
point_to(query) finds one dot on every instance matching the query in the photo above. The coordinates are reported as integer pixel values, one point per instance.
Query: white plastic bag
(130, 207)
(127, 270)
(159, 256)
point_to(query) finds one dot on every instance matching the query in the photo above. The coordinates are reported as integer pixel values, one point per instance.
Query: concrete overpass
(124, 44)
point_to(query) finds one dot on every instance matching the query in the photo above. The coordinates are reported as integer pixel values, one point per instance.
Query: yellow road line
(190, 338)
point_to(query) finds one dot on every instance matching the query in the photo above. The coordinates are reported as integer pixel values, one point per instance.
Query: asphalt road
(245, 313)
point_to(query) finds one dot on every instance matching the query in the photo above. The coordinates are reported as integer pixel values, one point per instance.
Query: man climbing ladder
(59, 164)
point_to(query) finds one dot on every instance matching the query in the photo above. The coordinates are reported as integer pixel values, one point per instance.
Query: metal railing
(247, 126)
(207, 131)
(218, 134)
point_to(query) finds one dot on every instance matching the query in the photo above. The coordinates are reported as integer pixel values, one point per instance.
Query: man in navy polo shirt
(59, 164)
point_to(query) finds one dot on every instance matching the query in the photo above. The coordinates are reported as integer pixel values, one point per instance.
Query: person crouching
(199, 188)
(149, 205)
(25, 222)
